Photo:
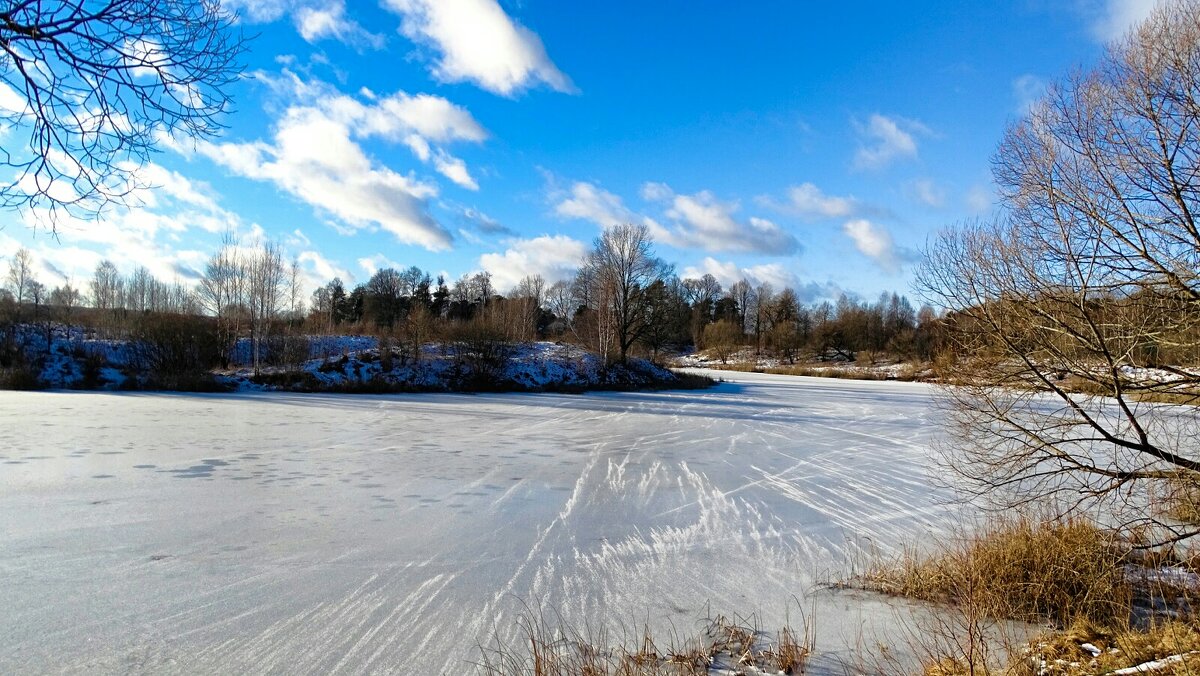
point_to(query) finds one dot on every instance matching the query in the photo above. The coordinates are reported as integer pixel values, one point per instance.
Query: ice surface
(287, 533)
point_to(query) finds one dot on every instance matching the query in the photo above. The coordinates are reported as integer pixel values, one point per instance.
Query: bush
(176, 351)
(481, 351)
(20, 375)
(90, 365)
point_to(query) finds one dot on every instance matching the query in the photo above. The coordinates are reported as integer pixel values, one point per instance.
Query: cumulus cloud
(775, 274)
(454, 169)
(166, 211)
(320, 269)
(417, 121)
(808, 200)
(373, 264)
(875, 242)
(1112, 19)
(590, 202)
(478, 220)
(554, 257)
(702, 221)
(728, 273)
(313, 158)
(315, 155)
(314, 19)
(699, 221)
(329, 20)
(885, 140)
(478, 42)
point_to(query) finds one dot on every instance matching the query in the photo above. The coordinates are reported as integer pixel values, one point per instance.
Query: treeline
(624, 300)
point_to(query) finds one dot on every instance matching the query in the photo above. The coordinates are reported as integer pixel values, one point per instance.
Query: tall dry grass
(721, 645)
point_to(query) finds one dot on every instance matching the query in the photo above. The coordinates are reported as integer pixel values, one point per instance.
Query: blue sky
(815, 145)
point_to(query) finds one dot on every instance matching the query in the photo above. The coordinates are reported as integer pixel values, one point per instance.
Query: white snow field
(280, 533)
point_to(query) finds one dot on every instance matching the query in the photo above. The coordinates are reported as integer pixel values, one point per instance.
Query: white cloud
(313, 158)
(885, 140)
(478, 42)
(702, 221)
(418, 121)
(875, 242)
(1112, 19)
(927, 192)
(454, 169)
(373, 264)
(314, 19)
(329, 20)
(316, 157)
(432, 117)
(394, 117)
(322, 269)
(699, 221)
(128, 238)
(592, 203)
(979, 199)
(1028, 90)
(554, 257)
(656, 192)
(164, 206)
(808, 200)
(728, 273)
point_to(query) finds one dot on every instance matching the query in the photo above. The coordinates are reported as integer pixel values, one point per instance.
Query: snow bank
(455, 367)
(73, 358)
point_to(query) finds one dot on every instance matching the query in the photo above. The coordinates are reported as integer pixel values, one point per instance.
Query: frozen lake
(322, 534)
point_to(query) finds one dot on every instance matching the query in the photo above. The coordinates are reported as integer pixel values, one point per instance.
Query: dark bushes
(177, 351)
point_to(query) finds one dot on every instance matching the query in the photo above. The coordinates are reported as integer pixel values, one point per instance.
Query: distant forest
(623, 301)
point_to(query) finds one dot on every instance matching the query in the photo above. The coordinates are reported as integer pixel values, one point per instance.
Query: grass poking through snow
(722, 646)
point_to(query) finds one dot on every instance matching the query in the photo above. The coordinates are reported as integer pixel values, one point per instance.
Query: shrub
(176, 351)
(90, 365)
(288, 350)
(21, 375)
(481, 351)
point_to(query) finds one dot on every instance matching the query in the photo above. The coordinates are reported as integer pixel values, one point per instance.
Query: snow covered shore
(311, 533)
(74, 359)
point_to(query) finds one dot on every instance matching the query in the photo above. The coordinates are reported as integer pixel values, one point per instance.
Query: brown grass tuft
(724, 645)
(1021, 569)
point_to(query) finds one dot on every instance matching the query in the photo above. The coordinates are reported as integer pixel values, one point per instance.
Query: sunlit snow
(336, 534)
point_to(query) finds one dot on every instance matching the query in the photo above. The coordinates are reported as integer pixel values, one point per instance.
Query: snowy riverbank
(71, 358)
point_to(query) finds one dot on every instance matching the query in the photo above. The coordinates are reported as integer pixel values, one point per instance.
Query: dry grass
(904, 372)
(1021, 569)
(1078, 577)
(1181, 499)
(1084, 649)
(723, 645)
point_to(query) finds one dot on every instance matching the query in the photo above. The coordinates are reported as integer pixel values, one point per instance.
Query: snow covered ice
(247, 533)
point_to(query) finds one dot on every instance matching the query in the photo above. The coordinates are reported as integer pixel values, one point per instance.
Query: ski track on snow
(289, 533)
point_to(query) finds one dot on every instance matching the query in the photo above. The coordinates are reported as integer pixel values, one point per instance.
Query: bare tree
(742, 294)
(295, 290)
(222, 289)
(619, 269)
(266, 282)
(66, 297)
(20, 274)
(139, 289)
(106, 286)
(560, 301)
(102, 80)
(528, 297)
(1079, 304)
